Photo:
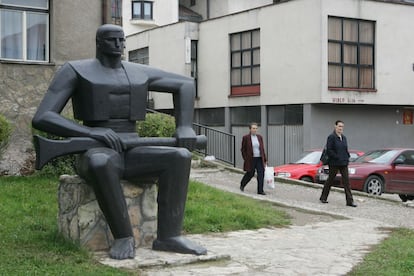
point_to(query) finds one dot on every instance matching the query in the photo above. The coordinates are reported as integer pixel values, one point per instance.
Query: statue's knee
(98, 161)
(102, 160)
(183, 154)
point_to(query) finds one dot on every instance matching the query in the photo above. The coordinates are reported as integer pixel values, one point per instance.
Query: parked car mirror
(398, 161)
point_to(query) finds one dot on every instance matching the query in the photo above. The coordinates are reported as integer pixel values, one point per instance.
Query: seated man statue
(109, 95)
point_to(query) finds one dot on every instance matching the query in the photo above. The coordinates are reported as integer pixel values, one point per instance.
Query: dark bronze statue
(109, 96)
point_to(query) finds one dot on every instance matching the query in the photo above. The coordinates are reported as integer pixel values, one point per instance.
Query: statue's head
(110, 40)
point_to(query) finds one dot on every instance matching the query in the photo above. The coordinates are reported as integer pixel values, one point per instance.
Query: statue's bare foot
(123, 249)
(180, 245)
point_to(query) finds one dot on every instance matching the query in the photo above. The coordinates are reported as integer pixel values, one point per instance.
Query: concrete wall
(215, 8)
(290, 53)
(72, 29)
(366, 126)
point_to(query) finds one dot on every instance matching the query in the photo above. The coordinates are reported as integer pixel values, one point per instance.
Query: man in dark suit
(254, 157)
(338, 159)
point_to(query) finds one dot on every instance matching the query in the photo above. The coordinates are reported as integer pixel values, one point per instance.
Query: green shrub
(5, 131)
(156, 125)
(58, 166)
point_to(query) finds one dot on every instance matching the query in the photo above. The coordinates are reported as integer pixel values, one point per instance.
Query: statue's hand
(186, 138)
(109, 137)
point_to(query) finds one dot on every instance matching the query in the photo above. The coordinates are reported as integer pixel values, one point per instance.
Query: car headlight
(283, 174)
(351, 170)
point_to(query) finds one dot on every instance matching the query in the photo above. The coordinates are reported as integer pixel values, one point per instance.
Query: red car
(306, 167)
(383, 171)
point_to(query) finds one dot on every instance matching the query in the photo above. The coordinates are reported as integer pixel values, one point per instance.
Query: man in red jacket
(254, 157)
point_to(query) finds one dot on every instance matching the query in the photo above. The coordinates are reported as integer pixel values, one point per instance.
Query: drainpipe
(208, 9)
(227, 122)
(264, 127)
(106, 11)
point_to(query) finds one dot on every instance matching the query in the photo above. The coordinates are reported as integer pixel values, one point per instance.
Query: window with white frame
(142, 10)
(24, 30)
(245, 63)
(351, 57)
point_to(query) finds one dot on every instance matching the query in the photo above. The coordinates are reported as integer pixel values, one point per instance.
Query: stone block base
(80, 218)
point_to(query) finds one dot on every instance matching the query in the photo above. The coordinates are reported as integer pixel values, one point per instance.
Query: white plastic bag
(269, 178)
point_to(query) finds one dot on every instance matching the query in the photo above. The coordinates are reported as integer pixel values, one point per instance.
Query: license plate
(323, 177)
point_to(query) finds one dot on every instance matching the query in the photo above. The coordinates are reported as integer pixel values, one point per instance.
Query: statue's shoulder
(89, 69)
(83, 64)
(137, 73)
(134, 67)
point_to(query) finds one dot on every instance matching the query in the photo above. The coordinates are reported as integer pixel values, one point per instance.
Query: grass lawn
(394, 256)
(29, 239)
(212, 210)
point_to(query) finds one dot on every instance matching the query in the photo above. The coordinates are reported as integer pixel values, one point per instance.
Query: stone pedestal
(80, 218)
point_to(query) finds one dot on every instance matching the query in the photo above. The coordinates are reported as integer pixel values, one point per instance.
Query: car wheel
(374, 185)
(306, 178)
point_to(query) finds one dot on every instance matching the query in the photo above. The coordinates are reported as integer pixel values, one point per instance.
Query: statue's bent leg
(103, 168)
(172, 165)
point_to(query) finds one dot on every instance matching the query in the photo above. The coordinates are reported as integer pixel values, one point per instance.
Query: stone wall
(80, 218)
(21, 88)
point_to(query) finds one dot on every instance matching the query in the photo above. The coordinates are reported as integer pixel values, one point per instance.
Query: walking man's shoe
(241, 187)
(351, 204)
(323, 200)
(261, 193)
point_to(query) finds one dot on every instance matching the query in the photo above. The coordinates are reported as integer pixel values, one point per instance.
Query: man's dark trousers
(333, 170)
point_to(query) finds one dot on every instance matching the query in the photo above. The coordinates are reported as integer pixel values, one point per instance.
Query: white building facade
(294, 67)
(138, 16)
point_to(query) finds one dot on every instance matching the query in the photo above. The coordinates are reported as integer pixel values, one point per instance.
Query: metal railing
(220, 144)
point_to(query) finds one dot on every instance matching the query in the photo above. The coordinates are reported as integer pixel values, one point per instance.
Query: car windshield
(309, 158)
(377, 156)
(353, 156)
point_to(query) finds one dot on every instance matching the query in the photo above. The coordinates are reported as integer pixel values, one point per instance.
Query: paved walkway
(327, 239)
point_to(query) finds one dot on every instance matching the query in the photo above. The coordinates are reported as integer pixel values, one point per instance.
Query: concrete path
(318, 242)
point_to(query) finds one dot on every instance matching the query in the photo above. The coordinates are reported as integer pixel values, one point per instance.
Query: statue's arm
(183, 92)
(48, 118)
